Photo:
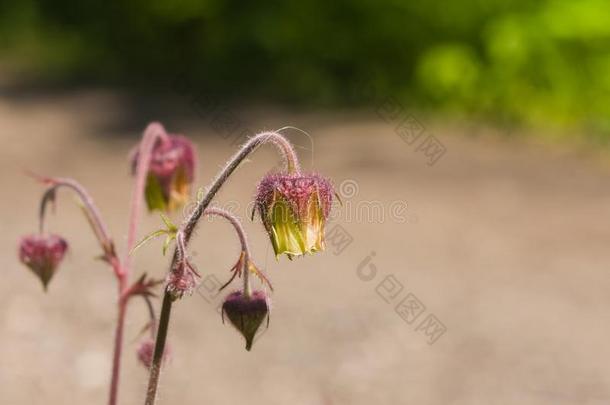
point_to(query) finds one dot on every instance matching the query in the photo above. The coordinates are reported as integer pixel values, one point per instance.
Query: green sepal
(155, 199)
(286, 235)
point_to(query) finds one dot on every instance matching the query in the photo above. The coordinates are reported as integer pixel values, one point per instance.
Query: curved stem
(292, 164)
(286, 149)
(239, 229)
(91, 212)
(153, 133)
(288, 153)
(241, 233)
(99, 229)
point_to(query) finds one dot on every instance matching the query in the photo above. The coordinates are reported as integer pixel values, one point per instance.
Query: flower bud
(170, 174)
(42, 254)
(146, 351)
(246, 313)
(294, 209)
(182, 280)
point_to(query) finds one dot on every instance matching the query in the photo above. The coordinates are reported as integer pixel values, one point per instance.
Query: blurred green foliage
(534, 62)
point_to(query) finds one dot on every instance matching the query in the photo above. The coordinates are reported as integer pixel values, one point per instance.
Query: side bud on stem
(182, 280)
(42, 254)
(246, 313)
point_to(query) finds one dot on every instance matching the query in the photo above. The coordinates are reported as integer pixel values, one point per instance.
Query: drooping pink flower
(294, 208)
(42, 254)
(170, 174)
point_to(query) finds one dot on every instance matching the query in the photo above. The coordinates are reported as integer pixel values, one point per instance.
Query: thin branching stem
(153, 133)
(187, 228)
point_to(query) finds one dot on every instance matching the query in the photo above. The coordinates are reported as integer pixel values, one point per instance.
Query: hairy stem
(233, 220)
(286, 149)
(241, 233)
(155, 368)
(187, 228)
(118, 349)
(91, 212)
(153, 133)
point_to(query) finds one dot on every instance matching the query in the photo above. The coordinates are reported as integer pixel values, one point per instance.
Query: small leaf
(148, 238)
(168, 240)
(171, 227)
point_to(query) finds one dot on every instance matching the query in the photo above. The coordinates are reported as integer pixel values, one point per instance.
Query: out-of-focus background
(468, 141)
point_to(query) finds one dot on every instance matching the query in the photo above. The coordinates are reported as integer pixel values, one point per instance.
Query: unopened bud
(42, 254)
(246, 313)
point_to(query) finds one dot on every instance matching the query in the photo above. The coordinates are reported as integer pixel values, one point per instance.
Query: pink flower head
(294, 209)
(246, 313)
(170, 174)
(42, 254)
(146, 351)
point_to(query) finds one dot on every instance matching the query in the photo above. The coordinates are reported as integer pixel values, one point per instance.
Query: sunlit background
(467, 139)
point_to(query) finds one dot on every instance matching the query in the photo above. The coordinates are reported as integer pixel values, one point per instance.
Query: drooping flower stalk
(243, 265)
(293, 206)
(246, 309)
(154, 134)
(170, 162)
(91, 212)
(187, 228)
(99, 229)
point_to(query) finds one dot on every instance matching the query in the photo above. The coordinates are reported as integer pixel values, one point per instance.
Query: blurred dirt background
(505, 242)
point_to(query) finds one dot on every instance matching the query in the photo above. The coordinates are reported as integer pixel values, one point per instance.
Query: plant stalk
(153, 133)
(155, 368)
(292, 165)
(118, 349)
